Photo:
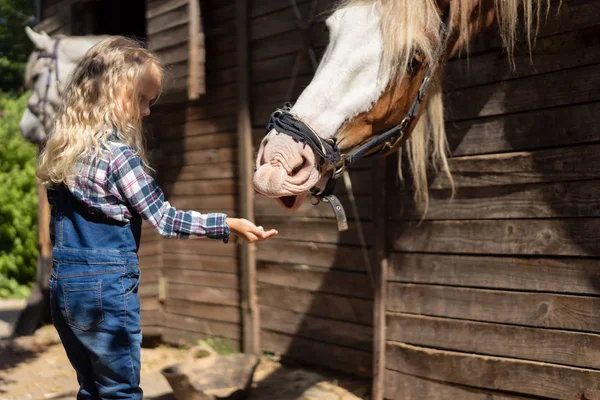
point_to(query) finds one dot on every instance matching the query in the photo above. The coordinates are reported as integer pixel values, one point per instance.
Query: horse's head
(46, 73)
(380, 53)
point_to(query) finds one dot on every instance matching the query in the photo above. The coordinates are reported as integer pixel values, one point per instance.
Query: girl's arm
(128, 181)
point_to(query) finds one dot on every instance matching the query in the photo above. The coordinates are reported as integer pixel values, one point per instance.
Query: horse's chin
(292, 203)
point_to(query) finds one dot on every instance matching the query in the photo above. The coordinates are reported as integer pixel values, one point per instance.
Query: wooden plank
(316, 230)
(561, 237)
(279, 68)
(311, 253)
(545, 310)
(572, 15)
(173, 55)
(149, 303)
(509, 375)
(51, 25)
(548, 345)
(200, 110)
(262, 7)
(352, 361)
(553, 53)
(202, 278)
(207, 247)
(226, 12)
(284, 20)
(275, 91)
(216, 203)
(290, 43)
(202, 310)
(151, 331)
(169, 38)
(573, 124)
(149, 263)
(148, 289)
(546, 200)
(198, 325)
(202, 127)
(164, 7)
(148, 249)
(399, 386)
(379, 277)
(190, 173)
(199, 262)
(198, 157)
(335, 307)
(324, 330)
(175, 17)
(199, 142)
(560, 275)
(249, 302)
(150, 318)
(150, 275)
(578, 85)
(314, 279)
(203, 294)
(196, 80)
(266, 207)
(184, 337)
(209, 187)
(554, 165)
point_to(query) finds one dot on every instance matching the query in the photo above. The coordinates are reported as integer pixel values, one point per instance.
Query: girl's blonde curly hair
(103, 94)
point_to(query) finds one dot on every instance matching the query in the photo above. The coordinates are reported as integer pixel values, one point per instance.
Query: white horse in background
(46, 74)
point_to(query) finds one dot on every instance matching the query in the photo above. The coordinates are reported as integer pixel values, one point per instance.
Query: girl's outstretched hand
(248, 231)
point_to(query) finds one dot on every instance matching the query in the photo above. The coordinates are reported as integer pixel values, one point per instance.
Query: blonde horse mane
(409, 25)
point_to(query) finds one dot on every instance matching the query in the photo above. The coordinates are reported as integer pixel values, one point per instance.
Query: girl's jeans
(96, 310)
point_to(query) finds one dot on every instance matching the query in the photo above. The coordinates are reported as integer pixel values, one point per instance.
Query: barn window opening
(109, 17)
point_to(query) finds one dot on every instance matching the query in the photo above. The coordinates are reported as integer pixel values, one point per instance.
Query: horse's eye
(35, 77)
(417, 61)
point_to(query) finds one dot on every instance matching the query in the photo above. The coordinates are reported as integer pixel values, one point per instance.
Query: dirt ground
(36, 367)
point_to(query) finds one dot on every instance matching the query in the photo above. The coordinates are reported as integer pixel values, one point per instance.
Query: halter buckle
(339, 169)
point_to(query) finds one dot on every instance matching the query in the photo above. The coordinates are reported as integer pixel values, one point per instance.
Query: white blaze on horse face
(349, 81)
(350, 78)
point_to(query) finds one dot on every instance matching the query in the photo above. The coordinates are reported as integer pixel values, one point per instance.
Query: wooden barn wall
(55, 17)
(194, 149)
(498, 291)
(316, 302)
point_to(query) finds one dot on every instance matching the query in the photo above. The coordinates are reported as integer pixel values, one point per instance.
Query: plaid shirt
(117, 185)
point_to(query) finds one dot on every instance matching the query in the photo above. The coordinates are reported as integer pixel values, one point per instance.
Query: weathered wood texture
(194, 149)
(313, 287)
(495, 293)
(175, 34)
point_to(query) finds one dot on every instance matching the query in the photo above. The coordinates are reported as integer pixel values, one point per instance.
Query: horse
(378, 89)
(46, 74)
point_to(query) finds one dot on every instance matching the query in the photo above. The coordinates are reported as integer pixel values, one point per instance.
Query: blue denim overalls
(93, 297)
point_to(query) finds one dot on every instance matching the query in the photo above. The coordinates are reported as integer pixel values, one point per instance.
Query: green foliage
(10, 288)
(15, 46)
(18, 200)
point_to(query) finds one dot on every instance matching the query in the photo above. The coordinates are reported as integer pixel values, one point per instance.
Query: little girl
(95, 168)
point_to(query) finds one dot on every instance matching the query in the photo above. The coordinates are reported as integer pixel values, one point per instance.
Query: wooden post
(196, 85)
(250, 316)
(380, 274)
(37, 311)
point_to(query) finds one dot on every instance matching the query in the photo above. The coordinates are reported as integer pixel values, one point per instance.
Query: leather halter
(41, 104)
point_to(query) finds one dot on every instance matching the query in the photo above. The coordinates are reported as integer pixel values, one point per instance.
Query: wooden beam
(250, 315)
(380, 265)
(196, 85)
